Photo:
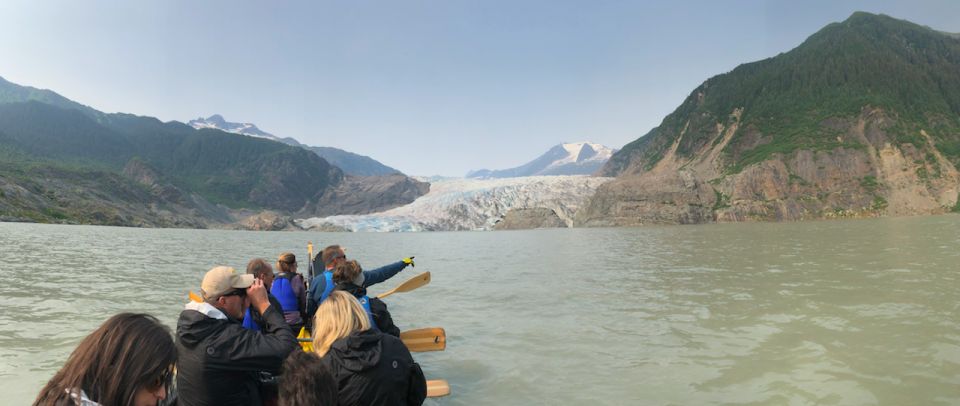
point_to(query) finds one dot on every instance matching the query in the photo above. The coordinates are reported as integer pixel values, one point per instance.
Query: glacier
(471, 204)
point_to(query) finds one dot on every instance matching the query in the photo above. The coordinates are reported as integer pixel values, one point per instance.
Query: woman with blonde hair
(371, 368)
(290, 291)
(127, 361)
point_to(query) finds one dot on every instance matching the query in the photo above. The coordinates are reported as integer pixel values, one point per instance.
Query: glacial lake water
(857, 312)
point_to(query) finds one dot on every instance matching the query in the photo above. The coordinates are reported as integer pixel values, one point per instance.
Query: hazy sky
(428, 87)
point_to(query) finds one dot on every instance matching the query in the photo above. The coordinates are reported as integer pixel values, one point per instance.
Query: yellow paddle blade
(410, 284)
(304, 340)
(437, 388)
(195, 297)
(425, 339)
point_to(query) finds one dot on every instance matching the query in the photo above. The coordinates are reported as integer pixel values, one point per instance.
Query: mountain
(61, 161)
(476, 204)
(862, 119)
(579, 158)
(350, 163)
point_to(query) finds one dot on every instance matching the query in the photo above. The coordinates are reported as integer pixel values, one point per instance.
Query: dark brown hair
(346, 271)
(126, 353)
(330, 253)
(258, 268)
(306, 381)
(285, 262)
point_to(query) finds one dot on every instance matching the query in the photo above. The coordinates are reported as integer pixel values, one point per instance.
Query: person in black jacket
(306, 382)
(345, 275)
(370, 368)
(219, 360)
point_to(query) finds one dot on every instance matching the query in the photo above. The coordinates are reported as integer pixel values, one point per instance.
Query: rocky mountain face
(349, 162)
(861, 120)
(579, 158)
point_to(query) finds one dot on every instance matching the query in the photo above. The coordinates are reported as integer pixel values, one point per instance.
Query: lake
(829, 312)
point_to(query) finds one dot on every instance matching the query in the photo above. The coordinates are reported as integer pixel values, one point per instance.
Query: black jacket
(372, 368)
(218, 360)
(381, 316)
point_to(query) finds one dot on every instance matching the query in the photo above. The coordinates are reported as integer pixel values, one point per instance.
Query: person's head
(260, 269)
(332, 255)
(127, 361)
(338, 316)
(225, 289)
(348, 271)
(287, 262)
(306, 381)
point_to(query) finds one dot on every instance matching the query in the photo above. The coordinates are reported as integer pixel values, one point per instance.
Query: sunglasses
(236, 292)
(165, 379)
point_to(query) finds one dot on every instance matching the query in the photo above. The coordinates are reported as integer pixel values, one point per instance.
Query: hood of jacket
(358, 351)
(351, 288)
(198, 321)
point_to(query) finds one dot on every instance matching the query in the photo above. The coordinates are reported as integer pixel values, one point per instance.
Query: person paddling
(322, 284)
(127, 361)
(219, 360)
(370, 368)
(289, 289)
(347, 277)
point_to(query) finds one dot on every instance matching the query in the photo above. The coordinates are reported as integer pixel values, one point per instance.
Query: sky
(427, 87)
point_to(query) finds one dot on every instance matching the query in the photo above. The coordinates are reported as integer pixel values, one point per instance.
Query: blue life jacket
(365, 302)
(248, 322)
(282, 289)
(328, 285)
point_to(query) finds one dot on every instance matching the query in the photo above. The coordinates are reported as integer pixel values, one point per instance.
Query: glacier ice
(472, 204)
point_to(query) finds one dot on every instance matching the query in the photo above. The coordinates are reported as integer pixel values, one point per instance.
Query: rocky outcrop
(524, 219)
(268, 221)
(869, 174)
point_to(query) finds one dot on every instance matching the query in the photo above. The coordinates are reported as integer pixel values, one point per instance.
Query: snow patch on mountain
(574, 158)
(472, 204)
(217, 122)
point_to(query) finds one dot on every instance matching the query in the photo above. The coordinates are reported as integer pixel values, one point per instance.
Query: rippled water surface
(841, 312)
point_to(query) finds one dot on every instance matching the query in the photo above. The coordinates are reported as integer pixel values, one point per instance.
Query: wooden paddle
(419, 340)
(437, 388)
(424, 339)
(410, 284)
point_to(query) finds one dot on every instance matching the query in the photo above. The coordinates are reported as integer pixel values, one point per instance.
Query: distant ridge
(349, 162)
(575, 158)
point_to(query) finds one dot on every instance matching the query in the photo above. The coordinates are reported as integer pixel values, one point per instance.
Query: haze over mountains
(350, 163)
(577, 158)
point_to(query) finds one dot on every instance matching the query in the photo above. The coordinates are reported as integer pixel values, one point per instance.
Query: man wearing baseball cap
(219, 360)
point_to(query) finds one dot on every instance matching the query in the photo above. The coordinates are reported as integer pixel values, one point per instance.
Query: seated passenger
(219, 360)
(306, 382)
(346, 275)
(127, 361)
(328, 260)
(290, 290)
(261, 270)
(371, 368)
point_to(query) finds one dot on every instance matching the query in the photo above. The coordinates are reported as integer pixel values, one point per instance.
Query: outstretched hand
(409, 261)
